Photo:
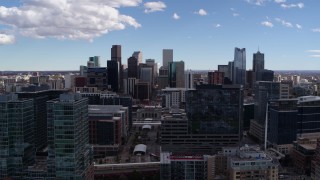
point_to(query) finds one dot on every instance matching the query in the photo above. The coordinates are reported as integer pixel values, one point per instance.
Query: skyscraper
(113, 75)
(188, 79)
(258, 62)
(95, 60)
(69, 153)
(116, 56)
(132, 67)
(138, 55)
(167, 57)
(17, 150)
(176, 74)
(239, 70)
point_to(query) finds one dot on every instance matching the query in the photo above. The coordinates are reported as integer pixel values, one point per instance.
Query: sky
(63, 34)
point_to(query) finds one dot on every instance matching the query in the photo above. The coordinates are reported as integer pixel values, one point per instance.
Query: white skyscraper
(188, 79)
(138, 55)
(167, 56)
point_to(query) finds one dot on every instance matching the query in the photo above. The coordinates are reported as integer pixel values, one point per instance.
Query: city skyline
(208, 31)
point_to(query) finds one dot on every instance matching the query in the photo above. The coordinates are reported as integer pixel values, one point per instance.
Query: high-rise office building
(69, 153)
(162, 80)
(152, 63)
(138, 55)
(176, 74)
(167, 57)
(282, 123)
(116, 56)
(97, 77)
(17, 150)
(188, 79)
(239, 70)
(95, 60)
(113, 75)
(132, 67)
(222, 113)
(40, 97)
(258, 62)
(146, 75)
(308, 117)
(264, 92)
(225, 69)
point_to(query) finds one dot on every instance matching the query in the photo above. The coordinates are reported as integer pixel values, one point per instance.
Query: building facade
(69, 153)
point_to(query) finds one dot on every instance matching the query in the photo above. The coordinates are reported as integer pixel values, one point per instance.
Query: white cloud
(6, 39)
(154, 6)
(217, 25)
(298, 5)
(267, 24)
(201, 12)
(298, 26)
(314, 51)
(284, 23)
(68, 19)
(235, 14)
(280, 1)
(176, 16)
(257, 2)
(315, 55)
(315, 30)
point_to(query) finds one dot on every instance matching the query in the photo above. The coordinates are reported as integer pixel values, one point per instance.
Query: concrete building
(97, 77)
(315, 167)
(216, 78)
(108, 126)
(162, 80)
(174, 97)
(151, 112)
(176, 167)
(188, 79)
(167, 57)
(302, 154)
(251, 163)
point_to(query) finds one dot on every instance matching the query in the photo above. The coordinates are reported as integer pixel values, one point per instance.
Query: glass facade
(309, 116)
(69, 154)
(239, 66)
(17, 150)
(215, 109)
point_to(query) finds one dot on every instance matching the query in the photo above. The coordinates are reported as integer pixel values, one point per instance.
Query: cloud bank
(68, 19)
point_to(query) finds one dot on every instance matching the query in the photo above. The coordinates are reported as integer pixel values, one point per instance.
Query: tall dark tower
(258, 62)
(239, 66)
(132, 67)
(116, 56)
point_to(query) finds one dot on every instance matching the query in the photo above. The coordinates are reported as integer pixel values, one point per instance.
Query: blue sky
(62, 34)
